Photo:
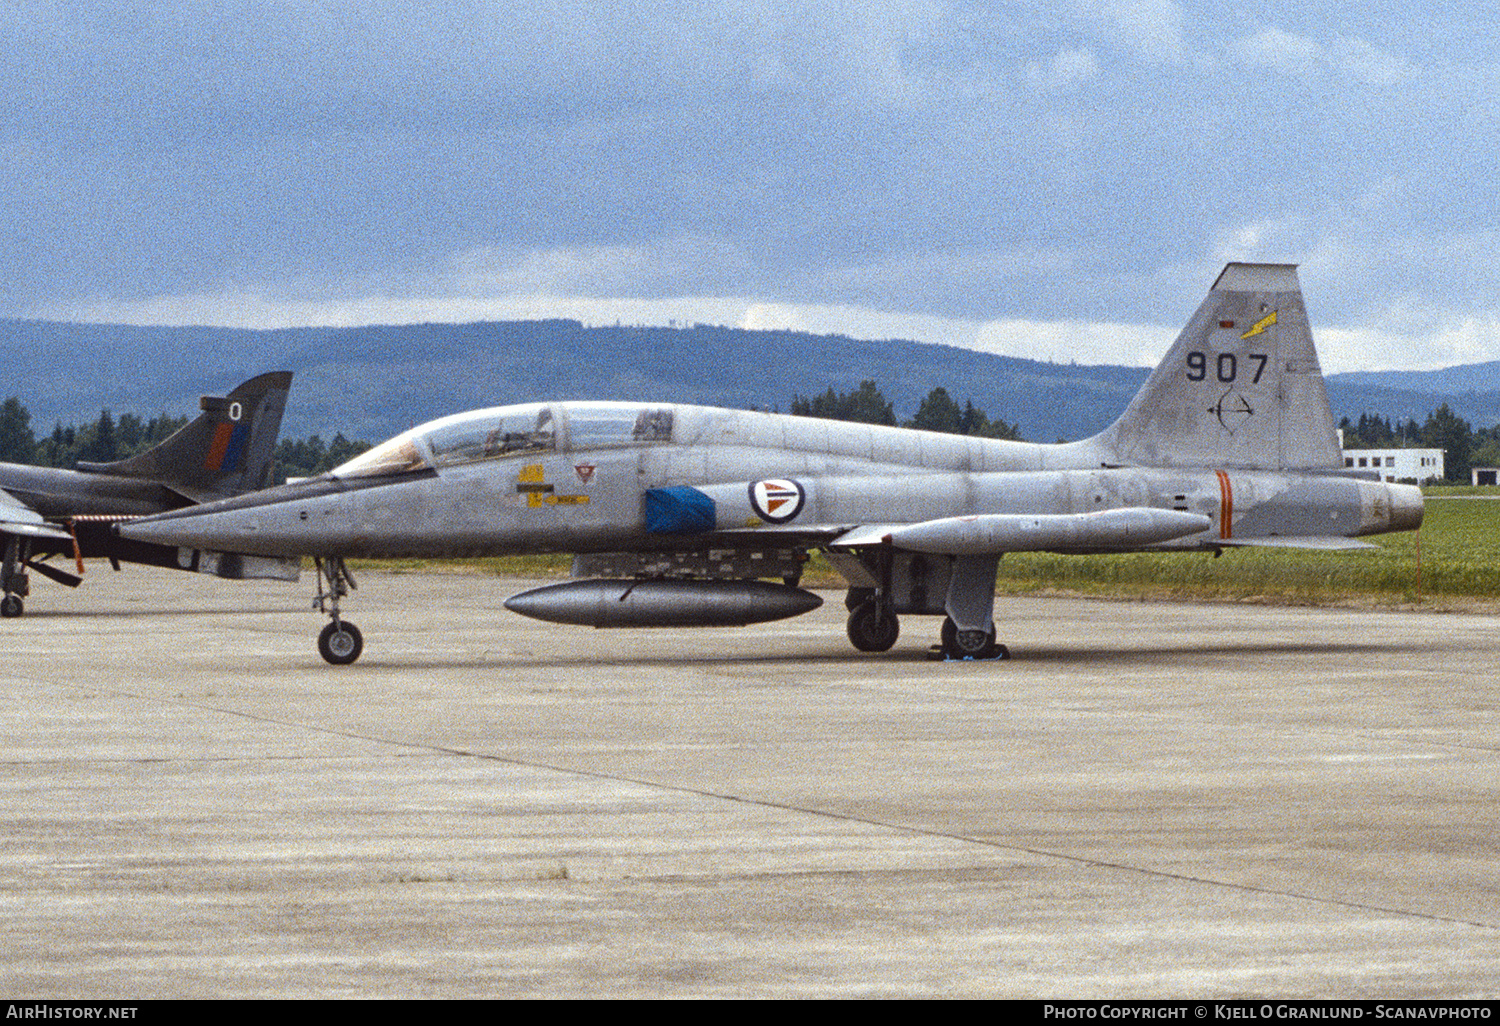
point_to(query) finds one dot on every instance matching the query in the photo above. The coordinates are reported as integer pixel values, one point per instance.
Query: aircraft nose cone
(148, 530)
(230, 532)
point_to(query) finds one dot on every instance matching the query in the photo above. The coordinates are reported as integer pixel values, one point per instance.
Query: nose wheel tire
(340, 643)
(11, 606)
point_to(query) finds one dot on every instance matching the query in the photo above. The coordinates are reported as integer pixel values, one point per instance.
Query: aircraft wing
(18, 518)
(1296, 542)
(790, 535)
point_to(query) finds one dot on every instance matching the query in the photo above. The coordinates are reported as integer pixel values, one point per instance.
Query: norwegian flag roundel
(777, 501)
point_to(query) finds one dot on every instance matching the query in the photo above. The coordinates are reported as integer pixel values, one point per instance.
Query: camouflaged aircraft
(51, 511)
(688, 516)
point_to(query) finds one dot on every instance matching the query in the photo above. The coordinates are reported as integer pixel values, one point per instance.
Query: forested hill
(372, 382)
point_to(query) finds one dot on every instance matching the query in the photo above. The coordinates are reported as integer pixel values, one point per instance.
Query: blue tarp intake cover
(680, 510)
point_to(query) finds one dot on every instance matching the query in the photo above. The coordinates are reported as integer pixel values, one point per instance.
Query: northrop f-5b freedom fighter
(689, 516)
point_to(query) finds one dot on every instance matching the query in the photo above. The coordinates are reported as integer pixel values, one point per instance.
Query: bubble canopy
(529, 429)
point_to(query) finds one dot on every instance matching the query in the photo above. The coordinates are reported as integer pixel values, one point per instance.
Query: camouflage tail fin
(227, 450)
(1241, 386)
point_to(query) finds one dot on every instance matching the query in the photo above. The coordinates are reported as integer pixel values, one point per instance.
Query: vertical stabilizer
(227, 450)
(1241, 386)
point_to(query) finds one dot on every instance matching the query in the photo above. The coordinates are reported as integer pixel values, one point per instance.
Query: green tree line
(102, 441)
(1463, 447)
(938, 412)
(113, 438)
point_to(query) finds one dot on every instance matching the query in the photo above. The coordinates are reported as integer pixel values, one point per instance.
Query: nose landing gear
(340, 643)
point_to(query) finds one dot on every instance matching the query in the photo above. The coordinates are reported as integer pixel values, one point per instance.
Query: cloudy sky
(1051, 178)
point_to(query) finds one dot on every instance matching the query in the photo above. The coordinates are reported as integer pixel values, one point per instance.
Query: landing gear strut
(969, 629)
(873, 625)
(13, 579)
(340, 643)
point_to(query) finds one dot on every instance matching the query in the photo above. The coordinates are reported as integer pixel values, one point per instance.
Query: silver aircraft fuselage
(564, 497)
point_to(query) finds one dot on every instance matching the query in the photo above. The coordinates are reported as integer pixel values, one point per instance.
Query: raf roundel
(777, 501)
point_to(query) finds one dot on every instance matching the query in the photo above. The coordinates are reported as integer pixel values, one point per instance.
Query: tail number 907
(1226, 367)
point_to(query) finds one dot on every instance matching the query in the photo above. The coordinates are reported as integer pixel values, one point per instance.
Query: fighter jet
(687, 516)
(227, 450)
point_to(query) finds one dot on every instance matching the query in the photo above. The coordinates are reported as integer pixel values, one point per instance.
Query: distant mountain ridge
(371, 382)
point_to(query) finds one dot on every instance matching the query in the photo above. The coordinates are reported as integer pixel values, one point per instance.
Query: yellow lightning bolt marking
(1261, 325)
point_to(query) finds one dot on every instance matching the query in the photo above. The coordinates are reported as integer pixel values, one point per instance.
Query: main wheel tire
(341, 643)
(12, 606)
(959, 644)
(873, 627)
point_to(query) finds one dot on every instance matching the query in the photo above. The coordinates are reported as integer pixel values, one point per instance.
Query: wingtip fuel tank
(1115, 529)
(663, 603)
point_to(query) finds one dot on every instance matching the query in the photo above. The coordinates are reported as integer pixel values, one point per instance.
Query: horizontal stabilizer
(1113, 529)
(1324, 542)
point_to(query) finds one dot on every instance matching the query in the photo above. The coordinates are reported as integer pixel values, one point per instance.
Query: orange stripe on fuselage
(1226, 505)
(215, 458)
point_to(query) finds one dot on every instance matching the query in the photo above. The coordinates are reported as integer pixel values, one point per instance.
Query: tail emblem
(227, 447)
(1259, 327)
(1233, 410)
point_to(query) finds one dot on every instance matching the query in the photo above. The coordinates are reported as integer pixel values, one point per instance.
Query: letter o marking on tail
(777, 501)
(236, 411)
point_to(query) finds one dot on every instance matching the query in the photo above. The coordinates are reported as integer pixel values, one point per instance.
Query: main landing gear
(340, 643)
(873, 626)
(957, 644)
(15, 582)
(13, 578)
(968, 602)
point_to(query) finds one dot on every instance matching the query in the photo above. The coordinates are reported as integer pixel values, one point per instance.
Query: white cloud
(1064, 73)
(1303, 57)
(1153, 28)
(1276, 240)
(673, 266)
(1009, 174)
(1370, 64)
(1404, 335)
(1453, 339)
(1290, 54)
(1153, 31)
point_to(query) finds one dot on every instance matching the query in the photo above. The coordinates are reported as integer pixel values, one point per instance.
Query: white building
(1394, 465)
(1419, 465)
